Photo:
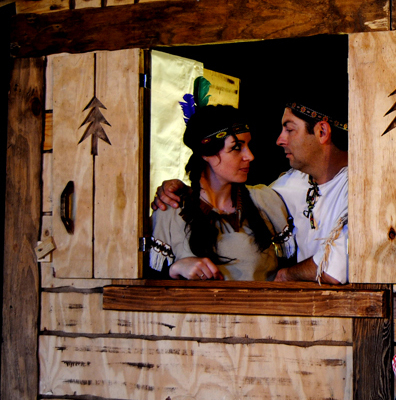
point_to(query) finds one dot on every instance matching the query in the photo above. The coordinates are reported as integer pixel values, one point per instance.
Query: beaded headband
(316, 115)
(234, 129)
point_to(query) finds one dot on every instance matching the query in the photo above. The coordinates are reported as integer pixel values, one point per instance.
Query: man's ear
(322, 131)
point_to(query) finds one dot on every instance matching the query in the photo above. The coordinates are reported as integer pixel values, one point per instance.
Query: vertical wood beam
(144, 129)
(6, 13)
(372, 354)
(19, 364)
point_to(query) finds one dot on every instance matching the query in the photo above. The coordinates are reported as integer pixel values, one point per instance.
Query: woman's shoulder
(262, 195)
(166, 216)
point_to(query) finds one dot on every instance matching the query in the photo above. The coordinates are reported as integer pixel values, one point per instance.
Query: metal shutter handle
(67, 201)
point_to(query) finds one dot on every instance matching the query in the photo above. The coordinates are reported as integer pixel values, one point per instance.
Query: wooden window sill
(257, 298)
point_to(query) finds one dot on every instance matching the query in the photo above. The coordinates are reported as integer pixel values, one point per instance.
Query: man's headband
(316, 115)
(234, 129)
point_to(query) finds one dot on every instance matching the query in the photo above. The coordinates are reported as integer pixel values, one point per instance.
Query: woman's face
(232, 162)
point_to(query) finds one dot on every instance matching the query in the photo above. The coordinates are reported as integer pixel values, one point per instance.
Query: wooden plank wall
(23, 195)
(372, 95)
(85, 350)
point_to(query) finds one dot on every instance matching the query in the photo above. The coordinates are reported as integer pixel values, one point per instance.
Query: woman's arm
(170, 243)
(195, 268)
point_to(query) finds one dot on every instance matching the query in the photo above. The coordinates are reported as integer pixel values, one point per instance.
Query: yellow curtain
(172, 77)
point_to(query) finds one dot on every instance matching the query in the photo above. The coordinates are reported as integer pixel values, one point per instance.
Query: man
(315, 191)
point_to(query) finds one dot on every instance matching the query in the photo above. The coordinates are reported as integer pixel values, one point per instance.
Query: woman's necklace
(231, 215)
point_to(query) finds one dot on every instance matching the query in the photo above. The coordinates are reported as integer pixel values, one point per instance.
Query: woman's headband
(234, 129)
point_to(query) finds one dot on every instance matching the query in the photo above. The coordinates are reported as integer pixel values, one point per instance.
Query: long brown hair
(202, 227)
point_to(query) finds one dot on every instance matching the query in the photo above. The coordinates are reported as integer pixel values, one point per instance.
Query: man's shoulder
(342, 174)
(290, 178)
(338, 184)
(261, 191)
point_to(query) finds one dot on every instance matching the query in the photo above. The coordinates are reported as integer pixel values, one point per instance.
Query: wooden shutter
(372, 172)
(97, 145)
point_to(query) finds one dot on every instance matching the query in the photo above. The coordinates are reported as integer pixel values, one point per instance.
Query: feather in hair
(188, 106)
(201, 89)
(199, 99)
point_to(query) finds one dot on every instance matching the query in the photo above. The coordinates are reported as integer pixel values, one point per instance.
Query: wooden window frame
(40, 35)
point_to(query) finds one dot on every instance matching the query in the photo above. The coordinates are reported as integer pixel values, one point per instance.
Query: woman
(220, 232)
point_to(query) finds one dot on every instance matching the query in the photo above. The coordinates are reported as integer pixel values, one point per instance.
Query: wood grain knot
(36, 107)
(391, 234)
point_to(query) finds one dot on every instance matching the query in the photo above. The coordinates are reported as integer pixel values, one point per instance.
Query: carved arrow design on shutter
(392, 125)
(96, 119)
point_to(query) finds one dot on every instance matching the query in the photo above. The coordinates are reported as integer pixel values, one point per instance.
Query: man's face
(300, 146)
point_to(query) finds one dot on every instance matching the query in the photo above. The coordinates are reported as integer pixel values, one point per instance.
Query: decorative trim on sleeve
(328, 243)
(159, 253)
(284, 241)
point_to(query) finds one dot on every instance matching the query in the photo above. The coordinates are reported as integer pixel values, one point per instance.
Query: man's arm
(304, 271)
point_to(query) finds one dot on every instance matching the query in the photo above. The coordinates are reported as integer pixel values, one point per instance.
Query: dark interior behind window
(270, 71)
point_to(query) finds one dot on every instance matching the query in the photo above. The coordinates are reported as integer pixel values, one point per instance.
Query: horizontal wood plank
(49, 280)
(81, 313)
(233, 284)
(46, 6)
(319, 303)
(185, 22)
(110, 368)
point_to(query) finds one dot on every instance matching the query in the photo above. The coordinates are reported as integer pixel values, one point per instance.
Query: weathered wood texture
(72, 311)
(186, 22)
(393, 16)
(149, 369)
(85, 350)
(372, 184)
(73, 88)
(21, 274)
(106, 186)
(64, 358)
(231, 300)
(47, 145)
(49, 280)
(117, 168)
(373, 344)
(47, 186)
(45, 6)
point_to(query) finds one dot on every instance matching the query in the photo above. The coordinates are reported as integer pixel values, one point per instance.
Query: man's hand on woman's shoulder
(166, 194)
